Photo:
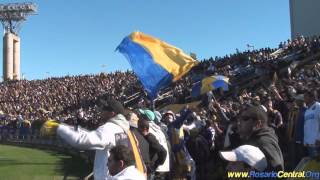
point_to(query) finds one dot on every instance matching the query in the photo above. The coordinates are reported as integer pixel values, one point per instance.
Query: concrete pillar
(16, 58)
(7, 57)
(11, 57)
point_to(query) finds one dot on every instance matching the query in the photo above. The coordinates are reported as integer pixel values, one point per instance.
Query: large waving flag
(156, 63)
(210, 83)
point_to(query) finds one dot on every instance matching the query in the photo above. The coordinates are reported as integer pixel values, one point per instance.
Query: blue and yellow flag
(156, 63)
(210, 83)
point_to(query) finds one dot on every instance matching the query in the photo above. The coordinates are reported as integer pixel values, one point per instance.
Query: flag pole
(153, 104)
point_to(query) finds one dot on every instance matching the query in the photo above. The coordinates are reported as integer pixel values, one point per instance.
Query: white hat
(251, 155)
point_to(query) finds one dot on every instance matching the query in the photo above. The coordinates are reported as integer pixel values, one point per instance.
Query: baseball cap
(248, 154)
(169, 112)
(158, 116)
(148, 113)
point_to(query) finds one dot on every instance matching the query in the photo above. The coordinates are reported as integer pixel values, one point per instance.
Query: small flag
(210, 83)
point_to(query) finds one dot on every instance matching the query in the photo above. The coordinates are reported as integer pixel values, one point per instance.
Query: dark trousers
(159, 176)
(162, 176)
(299, 152)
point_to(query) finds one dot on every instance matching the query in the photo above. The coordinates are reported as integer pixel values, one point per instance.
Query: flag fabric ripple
(156, 63)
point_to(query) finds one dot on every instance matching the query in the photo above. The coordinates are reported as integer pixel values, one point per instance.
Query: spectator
(121, 164)
(312, 124)
(162, 171)
(110, 134)
(298, 133)
(274, 116)
(143, 143)
(254, 130)
(157, 152)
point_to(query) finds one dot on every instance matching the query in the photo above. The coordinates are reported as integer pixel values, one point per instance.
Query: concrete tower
(11, 17)
(11, 57)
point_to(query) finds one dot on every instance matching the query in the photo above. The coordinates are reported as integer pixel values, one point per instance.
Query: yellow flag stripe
(172, 59)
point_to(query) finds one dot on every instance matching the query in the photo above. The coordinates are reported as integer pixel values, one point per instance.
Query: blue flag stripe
(196, 89)
(220, 84)
(152, 76)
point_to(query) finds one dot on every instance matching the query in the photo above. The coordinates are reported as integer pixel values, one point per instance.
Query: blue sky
(72, 37)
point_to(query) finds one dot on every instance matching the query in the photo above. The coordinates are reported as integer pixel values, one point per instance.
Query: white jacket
(155, 130)
(129, 173)
(312, 124)
(101, 140)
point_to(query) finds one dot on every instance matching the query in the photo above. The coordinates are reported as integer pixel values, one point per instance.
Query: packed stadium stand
(256, 76)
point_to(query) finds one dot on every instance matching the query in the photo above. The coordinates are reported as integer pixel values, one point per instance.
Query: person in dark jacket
(143, 143)
(298, 133)
(253, 129)
(157, 153)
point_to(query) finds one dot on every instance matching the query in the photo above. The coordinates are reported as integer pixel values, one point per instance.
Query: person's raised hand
(49, 128)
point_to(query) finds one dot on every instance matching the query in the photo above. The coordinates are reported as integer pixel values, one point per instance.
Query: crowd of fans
(214, 125)
(60, 98)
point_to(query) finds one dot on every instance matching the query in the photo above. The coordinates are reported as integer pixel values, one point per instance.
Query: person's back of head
(310, 96)
(113, 104)
(110, 107)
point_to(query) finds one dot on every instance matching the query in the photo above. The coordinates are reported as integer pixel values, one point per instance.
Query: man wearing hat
(113, 132)
(162, 171)
(168, 117)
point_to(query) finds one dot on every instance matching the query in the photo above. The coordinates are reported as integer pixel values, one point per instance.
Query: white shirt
(101, 140)
(129, 173)
(312, 124)
(155, 130)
